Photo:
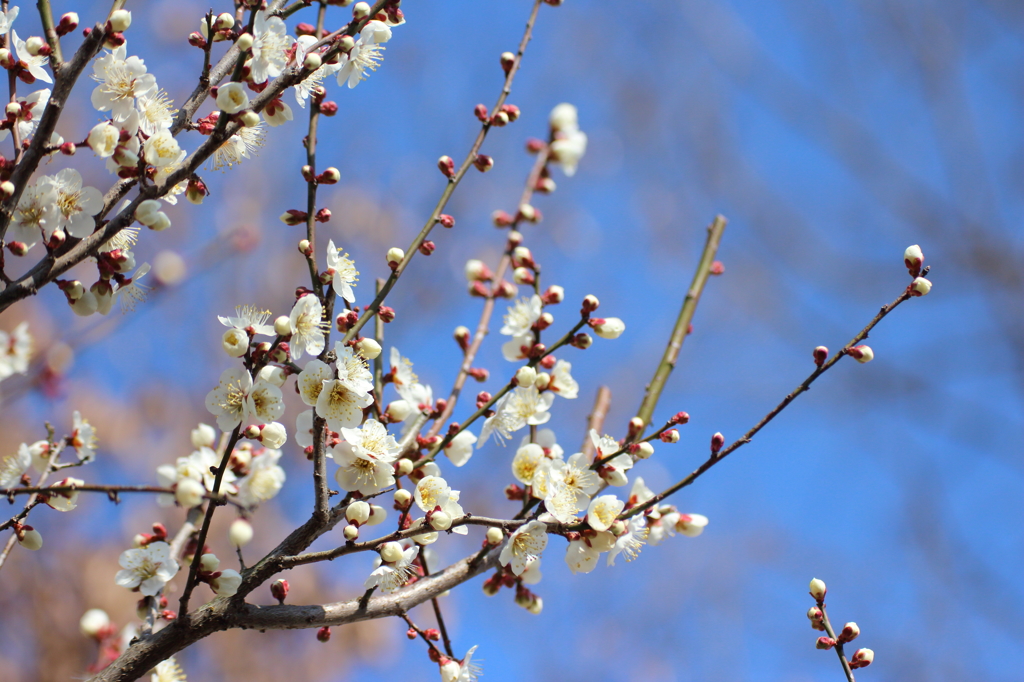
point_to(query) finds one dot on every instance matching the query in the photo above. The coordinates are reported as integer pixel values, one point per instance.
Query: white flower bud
(440, 521)
(203, 436)
(555, 294)
(920, 286)
(283, 326)
(223, 21)
(227, 584)
(398, 411)
(350, 532)
(425, 538)
(103, 140)
(395, 256)
(93, 622)
(818, 589)
(913, 257)
(391, 552)
(542, 381)
(232, 98)
(312, 61)
(644, 450)
(209, 562)
(30, 538)
(564, 117)
(535, 606)
(361, 10)
(161, 221)
(6, 189)
(862, 658)
(494, 536)
(120, 20)
(405, 467)
(523, 275)
(86, 305)
(235, 342)
(240, 533)
(475, 270)
(368, 348)
(609, 328)
(147, 210)
(403, 496)
(377, 515)
(522, 254)
(273, 375)
(33, 45)
(528, 212)
(189, 493)
(244, 42)
(249, 118)
(691, 525)
(358, 512)
(862, 354)
(273, 435)
(526, 376)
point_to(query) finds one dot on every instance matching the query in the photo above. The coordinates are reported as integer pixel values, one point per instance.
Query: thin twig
(595, 422)
(839, 646)
(437, 612)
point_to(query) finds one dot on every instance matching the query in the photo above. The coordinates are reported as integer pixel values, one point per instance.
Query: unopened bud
(351, 532)
(494, 536)
(304, 247)
(818, 589)
(814, 614)
(68, 23)
(30, 538)
(240, 534)
(477, 271)
(249, 118)
(312, 61)
(582, 341)
(330, 176)
(462, 337)
(391, 552)
(643, 450)
(862, 658)
(446, 220)
(526, 376)
(368, 348)
(279, 589)
(528, 213)
(398, 411)
(358, 512)
(507, 61)
(235, 342)
(324, 633)
(861, 353)
(545, 185)
(360, 10)
(283, 326)
(34, 45)
(395, 256)
(824, 643)
(850, 632)
(404, 467)
(670, 436)
(590, 303)
(244, 42)
(820, 355)
(224, 21)
(440, 520)
(717, 441)
(446, 166)
(920, 287)
(523, 276)
(119, 20)
(483, 163)
(913, 258)
(6, 189)
(500, 119)
(402, 496)
(94, 623)
(608, 328)
(501, 219)
(12, 110)
(554, 294)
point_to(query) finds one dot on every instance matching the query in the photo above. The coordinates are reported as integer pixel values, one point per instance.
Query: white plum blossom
(352, 369)
(691, 525)
(7, 19)
(562, 382)
(365, 458)
(264, 480)
(390, 576)
(524, 545)
(304, 430)
(566, 485)
(365, 55)
(227, 401)
(603, 511)
(270, 43)
(433, 493)
(156, 112)
(303, 88)
(567, 149)
(76, 204)
(232, 97)
(242, 145)
(311, 381)
(341, 406)
(130, 293)
(460, 448)
(33, 62)
(15, 351)
(32, 108)
(37, 214)
(466, 671)
(580, 557)
(630, 542)
(522, 316)
(168, 671)
(12, 467)
(343, 272)
(197, 466)
(249, 319)
(103, 139)
(147, 569)
(518, 408)
(420, 396)
(308, 327)
(83, 438)
(64, 500)
(526, 462)
(162, 150)
(121, 79)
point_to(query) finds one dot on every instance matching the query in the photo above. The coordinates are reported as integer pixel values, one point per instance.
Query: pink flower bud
(820, 355)
(850, 632)
(294, 217)
(68, 23)
(328, 108)
(523, 276)
(427, 248)
(462, 337)
(554, 294)
(483, 163)
(508, 60)
(511, 110)
(499, 119)
(501, 219)
(862, 658)
(825, 643)
(305, 29)
(582, 341)
(533, 145)
(324, 633)
(446, 166)
(717, 441)
(545, 185)
(446, 220)
(279, 589)
(590, 303)
(670, 436)
(481, 112)
(861, 354)
(717, 268)
(386, 313)
(330, 176)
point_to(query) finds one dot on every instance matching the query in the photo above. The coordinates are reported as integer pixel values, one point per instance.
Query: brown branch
(718, 457)
(34, 500)
(839, 645)
(682, 326)
(595, 422)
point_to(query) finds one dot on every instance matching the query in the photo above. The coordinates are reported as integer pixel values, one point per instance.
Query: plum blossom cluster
(819, 621)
